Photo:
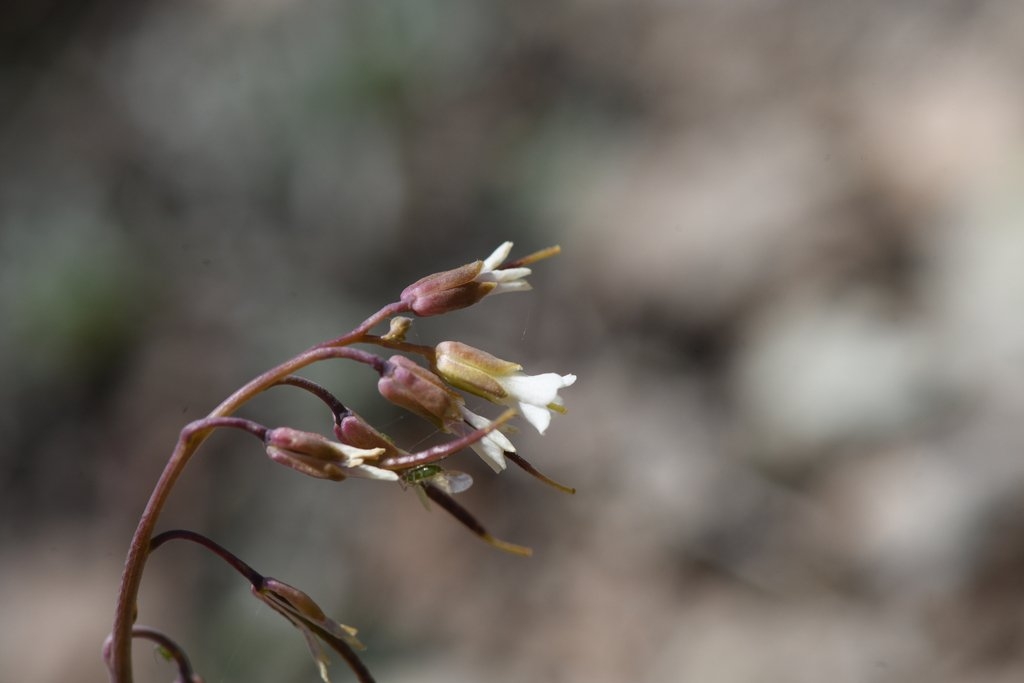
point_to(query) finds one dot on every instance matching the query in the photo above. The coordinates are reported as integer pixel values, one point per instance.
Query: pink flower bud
(448, 291)
(420, 391)
(355, 431)
(315, 456)
(464, 286)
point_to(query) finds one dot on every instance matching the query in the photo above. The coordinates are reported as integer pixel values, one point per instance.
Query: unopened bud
(466, 285)
(447, 291)
(418, 390)
(473, 370)
(355, 431)
(398, 327)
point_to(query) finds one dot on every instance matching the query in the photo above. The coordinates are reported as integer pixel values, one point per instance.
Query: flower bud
(447, 291)
(464, 286)
(355, 431)
(313, 455)
(473, 370)
(418, 390)
(398, 326)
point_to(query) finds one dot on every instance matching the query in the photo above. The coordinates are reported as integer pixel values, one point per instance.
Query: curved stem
(442, 451)
(185, 672)
(211, 423)
(337, 408)
(269, 591)
(357, 334)
(250, 574)
(120, 660)
(308, 357)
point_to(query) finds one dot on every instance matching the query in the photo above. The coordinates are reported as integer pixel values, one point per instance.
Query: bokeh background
(792, 288)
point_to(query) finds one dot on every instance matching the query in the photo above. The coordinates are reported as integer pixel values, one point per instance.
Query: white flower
(352, 462)
(507, 279)
(493, 446)
(502, 382)
(315, 456)
(536, 396)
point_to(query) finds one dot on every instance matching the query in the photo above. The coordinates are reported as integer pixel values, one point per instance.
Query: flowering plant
(430, 390)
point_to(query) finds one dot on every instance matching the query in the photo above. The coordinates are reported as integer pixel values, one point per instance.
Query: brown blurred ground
(791, 286)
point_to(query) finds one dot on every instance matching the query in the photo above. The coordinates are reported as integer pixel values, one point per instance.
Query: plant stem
(185, 673)
(250, 574)
(442, 451)
(120, 652)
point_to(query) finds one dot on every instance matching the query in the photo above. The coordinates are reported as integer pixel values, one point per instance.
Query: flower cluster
(431, 390)
(424, 380)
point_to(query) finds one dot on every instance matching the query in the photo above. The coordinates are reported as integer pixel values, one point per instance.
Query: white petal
(538, 416)
(538, 390)
(371, 472)
(503, 275)
(516, 286)
(500, 440)
(353, 454)
(492, 447)
(480, 422)
(496, 258)
(490, 453)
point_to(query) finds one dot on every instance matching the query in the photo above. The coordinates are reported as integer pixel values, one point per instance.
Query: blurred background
(791, 287)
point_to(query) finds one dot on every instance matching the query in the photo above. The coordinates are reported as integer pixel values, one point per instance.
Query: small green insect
(421, 473)
(434, 475)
